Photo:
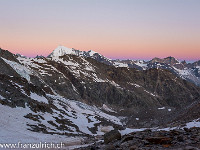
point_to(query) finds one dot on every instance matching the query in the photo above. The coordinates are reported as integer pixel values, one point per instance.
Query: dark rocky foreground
(186, 139)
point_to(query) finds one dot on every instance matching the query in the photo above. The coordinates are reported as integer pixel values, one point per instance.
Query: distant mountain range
(187, 71)
(73, 92)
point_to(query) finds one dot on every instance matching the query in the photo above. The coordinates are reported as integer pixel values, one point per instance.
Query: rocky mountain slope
(85, 94)
(187, 71)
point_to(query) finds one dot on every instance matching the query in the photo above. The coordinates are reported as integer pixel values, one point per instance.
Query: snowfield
(15, 127)
(20, 69)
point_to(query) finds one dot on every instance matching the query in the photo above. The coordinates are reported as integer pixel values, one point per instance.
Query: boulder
(111, 136)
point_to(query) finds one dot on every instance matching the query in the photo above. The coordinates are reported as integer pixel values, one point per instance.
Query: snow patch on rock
(106, 108)
(1, 97)
(38, 98)
(119, 64)
(20, 69)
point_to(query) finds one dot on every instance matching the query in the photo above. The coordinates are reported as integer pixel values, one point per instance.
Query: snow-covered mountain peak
(61, 50)
(19, 55)
(91, 52)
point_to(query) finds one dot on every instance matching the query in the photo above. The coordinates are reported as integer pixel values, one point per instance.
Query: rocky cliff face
(187, 71)
(77, 94)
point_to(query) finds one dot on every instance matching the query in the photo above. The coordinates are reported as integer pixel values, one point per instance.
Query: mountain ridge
(188, 71)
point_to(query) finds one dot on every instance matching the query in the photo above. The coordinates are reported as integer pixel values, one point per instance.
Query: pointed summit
(170, 60)
(156, 59)
(60, 51)
(91, 52)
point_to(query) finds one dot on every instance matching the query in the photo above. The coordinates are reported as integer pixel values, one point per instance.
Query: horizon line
(190, 60)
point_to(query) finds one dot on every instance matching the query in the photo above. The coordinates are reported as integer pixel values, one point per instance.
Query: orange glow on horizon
(110, 52)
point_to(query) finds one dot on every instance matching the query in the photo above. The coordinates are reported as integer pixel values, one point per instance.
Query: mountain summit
(62, 50)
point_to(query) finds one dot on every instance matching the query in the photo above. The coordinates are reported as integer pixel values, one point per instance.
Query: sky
(123, 29)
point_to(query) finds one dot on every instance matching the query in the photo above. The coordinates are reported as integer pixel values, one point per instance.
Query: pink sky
(123, 29)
